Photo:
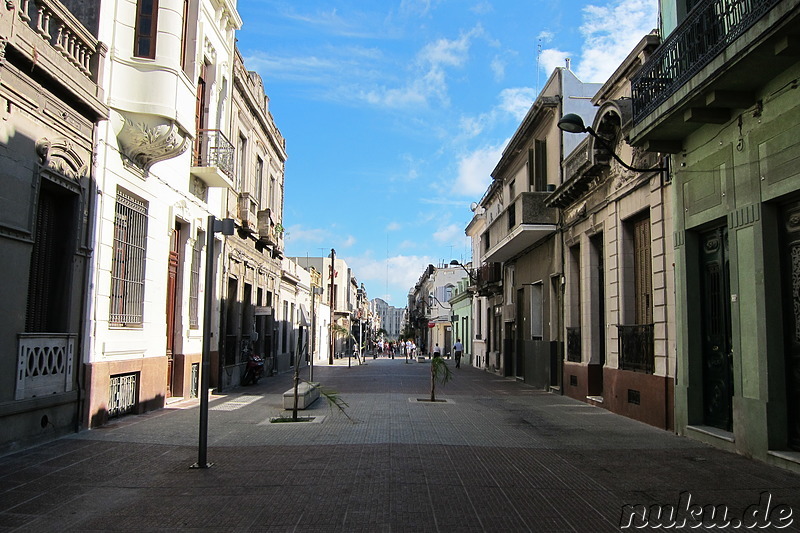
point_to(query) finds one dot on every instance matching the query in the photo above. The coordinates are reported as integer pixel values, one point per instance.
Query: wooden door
(172, 285)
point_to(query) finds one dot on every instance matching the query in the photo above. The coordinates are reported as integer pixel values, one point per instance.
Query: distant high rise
(391, 317)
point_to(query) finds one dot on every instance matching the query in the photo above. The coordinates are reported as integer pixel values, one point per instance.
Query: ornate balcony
(524, 222)
(213, 159)
(636, 350)
(53, 39)
(690, 80)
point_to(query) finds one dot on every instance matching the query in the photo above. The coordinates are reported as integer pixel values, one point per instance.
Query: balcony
(524, 222)
(636, 348)
(213, 159)
(53, 39)
(267, 229)
(489, 278)
(248, 209)
(714, 62)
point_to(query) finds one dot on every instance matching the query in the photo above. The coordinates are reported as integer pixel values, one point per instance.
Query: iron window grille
(194, 284)
(574, 345)
(127, 269)
(636, 348)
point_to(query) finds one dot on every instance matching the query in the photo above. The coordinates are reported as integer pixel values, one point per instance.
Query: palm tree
(439, 372)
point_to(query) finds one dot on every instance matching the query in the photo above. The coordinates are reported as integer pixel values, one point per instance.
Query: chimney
(568, 61)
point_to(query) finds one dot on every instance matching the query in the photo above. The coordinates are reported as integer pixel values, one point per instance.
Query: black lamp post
(572, 123)
(226, 227)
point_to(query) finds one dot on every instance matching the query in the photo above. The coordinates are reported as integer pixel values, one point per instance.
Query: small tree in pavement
(440, 373)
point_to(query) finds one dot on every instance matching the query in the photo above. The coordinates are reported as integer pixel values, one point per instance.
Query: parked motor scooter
(254, 369)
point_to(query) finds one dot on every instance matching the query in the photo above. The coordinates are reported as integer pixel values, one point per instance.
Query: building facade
(164, 167)
(252, 258)
(52, 101)
(521, 269)
(616, 234)
(730, 115)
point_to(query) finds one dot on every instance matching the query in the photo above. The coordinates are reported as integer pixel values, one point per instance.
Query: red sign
(431, 324)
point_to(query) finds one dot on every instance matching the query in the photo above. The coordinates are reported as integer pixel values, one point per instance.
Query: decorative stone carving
(61, 157)
(147, 139)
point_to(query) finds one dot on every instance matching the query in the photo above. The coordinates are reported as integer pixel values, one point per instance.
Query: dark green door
(716, 324)
(791, 295)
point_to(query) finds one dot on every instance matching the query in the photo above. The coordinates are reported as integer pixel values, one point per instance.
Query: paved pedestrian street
(497, 455)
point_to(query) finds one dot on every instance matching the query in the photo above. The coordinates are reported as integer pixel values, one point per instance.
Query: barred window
(194, 283)
(127, 269)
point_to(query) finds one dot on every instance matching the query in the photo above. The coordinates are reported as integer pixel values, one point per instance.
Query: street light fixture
(572, 123)
(226, 227)
(469, 273)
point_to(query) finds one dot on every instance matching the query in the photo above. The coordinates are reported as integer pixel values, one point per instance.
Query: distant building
(391, 318)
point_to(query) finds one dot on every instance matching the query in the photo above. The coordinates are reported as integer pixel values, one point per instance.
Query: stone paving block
(501, 457)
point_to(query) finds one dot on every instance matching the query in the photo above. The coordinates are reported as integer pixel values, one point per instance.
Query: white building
(163, 168)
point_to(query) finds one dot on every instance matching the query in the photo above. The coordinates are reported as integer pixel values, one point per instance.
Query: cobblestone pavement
(496, 456)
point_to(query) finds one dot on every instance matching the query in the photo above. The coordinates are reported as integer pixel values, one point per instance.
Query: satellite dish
(473, 206)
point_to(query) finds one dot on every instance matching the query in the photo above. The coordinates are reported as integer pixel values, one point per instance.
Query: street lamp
(469, 273)
(572, 123)
(314, 292)
(226, 227)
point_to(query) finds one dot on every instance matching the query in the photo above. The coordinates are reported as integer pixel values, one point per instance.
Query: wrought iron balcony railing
(710, 27)
(636, 348)
(213, 149)
(574, 344)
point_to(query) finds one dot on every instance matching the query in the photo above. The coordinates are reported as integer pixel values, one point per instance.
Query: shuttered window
(642, 271)
(127, 270)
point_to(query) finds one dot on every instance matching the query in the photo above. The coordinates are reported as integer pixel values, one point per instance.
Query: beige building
(255, 282)
(617, 241)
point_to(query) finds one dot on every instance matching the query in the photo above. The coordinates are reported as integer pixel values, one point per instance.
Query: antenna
(538, 59)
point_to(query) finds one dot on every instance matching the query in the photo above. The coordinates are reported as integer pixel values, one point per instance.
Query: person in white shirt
(458, 350)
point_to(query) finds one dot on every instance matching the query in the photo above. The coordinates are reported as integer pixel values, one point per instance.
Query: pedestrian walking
(458, 350)
(437, 352)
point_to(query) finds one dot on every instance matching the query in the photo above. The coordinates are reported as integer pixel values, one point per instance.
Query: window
(185, 35)
(642, 271)
(144, 42)
(537, 166)
(512, 215)
(127, 269)
(194, 283)
(259, 179)
(537, 329)
(241, 154)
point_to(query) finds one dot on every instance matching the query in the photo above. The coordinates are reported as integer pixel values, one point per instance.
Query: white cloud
(551, 58)
(474, 170)
(400, 273)
(448, 233)
(348, 242)
(393, 226)
(298, 234)
(498, 67)
(610, 32)
(453, 53)
(517, 101)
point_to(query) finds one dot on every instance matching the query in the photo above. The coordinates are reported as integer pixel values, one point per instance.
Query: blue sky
(396, 112)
